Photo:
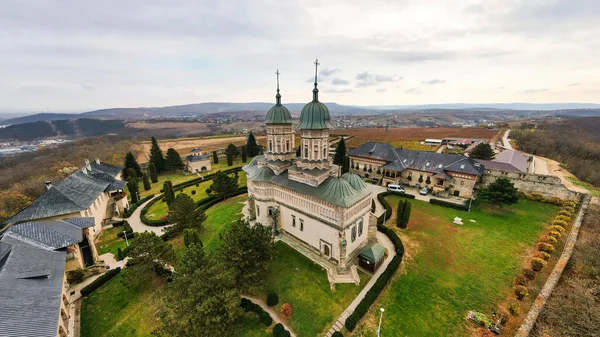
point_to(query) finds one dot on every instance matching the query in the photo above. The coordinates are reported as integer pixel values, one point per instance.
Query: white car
(395, 188)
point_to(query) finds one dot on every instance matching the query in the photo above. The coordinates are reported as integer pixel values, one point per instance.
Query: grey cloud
(338, 91)
(328, 72)
(573, 84)
(434, 81)
(366, 79)
(533, 91)
(382, 90)
(414, 91)
(87, 87)
(339, 81)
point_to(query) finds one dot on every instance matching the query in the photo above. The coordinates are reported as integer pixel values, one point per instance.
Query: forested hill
(83, 127)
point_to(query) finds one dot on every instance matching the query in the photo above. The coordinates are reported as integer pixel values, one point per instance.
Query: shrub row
(440, 202)
(100, 281)
(264, 316)
(384, 278)
(198, 180)
(134, 206)
(540, 198)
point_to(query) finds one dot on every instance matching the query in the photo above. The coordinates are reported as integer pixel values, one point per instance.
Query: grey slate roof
(193, 158)
(333, 190)
(73, 194)
(400, 159)
(83, 222)
(496, 165)
(51, 234)
(515, 158)
(31, 281)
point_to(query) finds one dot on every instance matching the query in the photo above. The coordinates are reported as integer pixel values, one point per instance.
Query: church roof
(372, 252)
(278, 114)
(315, 115)
(355, 180)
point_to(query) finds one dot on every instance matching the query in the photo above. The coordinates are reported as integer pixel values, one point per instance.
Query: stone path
(136, 222)
(505, 140)
(391, 250)
(271, 312)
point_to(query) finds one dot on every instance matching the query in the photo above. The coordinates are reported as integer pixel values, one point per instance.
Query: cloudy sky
(73, 55)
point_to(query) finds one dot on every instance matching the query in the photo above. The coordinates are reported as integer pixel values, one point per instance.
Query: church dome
(315, 115)
(263, 173)
(354, 180)
(338, 191)
(278, 114)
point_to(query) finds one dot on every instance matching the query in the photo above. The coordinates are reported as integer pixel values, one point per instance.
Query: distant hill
(41, 117)
(83, 127)
(500, 106)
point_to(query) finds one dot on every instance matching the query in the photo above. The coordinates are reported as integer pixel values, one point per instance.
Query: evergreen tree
(148, 254)
(231, 152)
(215, 157)
(400, 212)
(132, 174)
(346, 165)
(131, 163)
(132, 186)
(482, 151)
(244, 157)
(406, 214)
(247, 251)
(252, 148)
(223, 184)
(340, 153)
(500, 192)
(156, 156)
(191, 237)
(146, 182)
(153, 175)
(168, 192)
(184, 213)
(173, 160)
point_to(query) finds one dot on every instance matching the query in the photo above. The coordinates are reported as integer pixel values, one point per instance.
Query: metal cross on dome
(277, 73)
(316, 67)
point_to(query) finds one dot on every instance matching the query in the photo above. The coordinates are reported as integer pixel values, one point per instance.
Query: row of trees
(172, 162)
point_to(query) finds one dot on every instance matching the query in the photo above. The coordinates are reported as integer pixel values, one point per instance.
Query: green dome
(355, 181)
(278, 114)
(315, 115)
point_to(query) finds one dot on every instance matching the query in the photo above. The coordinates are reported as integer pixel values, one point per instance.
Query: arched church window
(353, 235)
(270, 211)
(316, 152)
(287, 145)
(360, 227)
(305, 151)
(270, 145)
(278, 146)
(324, 152)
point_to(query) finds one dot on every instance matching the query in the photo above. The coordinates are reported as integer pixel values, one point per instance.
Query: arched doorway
(326, 251)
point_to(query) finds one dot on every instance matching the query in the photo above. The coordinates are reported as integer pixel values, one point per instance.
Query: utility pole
(380, 317)
(125, 235)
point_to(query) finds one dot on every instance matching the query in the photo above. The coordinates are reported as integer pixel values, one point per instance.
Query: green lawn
(304, 285)
(114, 310)
(450, 269)
(109, 242)
(218, 219)
(160, 209)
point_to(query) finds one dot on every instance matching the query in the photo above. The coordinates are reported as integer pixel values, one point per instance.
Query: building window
(462, 182)
(270, 211)
(360, 227)
(324, 152)
(257, 210)
(305, 151)
(293, 221)
(301, 225)
(270, 145)
(353, 235)
(287, 145)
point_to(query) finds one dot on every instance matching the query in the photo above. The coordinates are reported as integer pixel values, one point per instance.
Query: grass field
(304, 285)
(449, 269)
(108, 242)
(218, 219)
(160, 208)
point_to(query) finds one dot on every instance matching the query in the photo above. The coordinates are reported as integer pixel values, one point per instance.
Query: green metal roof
(355, 180)
(372, 252)
(315, 115)
(278, 114)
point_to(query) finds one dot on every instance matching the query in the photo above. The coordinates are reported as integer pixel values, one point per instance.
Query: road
(505, 140)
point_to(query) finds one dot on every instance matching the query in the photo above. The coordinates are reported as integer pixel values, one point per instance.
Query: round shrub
(520, 292)
(542, 255)
(559, 229)
(554, 234)
(562, 218)
(284, 333)
(504, 316)
(569, 209)
(545, 247)
(537, 264)
(277, 329)
(265, 318)
(245, 304)
(549, 239)
(520, 280)
(570, 203)
(193, 192)
(565, 213)
(514, 308)
(559, 223)
(337, 334)
(555, 201)
(272, 299)
(197, 185)
(208, 191)
(286, 309)
(529, 273)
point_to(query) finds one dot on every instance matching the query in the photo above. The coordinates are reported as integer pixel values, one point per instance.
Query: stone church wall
(546, 185)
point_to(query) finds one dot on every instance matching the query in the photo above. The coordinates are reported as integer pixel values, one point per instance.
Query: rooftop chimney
(97, 161)
(48, 184)
(87, 165)
(84, 170)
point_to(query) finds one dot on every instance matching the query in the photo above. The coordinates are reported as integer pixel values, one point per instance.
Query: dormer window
(440, 166)
(462, 166)
(427, 164)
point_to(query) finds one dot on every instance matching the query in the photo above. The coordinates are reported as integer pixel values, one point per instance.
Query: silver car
(424, 191)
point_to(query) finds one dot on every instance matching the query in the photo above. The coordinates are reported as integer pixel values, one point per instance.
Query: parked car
(395, 188)
(424, 191)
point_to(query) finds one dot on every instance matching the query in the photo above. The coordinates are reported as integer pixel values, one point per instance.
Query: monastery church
(308, 202)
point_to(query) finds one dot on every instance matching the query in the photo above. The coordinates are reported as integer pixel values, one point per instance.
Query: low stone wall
(554, 277)
(546, 185)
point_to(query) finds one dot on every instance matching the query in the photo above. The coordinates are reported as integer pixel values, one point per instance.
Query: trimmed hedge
(100, 281)
(198, 180)
(128, 230)
(277, 329)
(134, 206)
(440, 202)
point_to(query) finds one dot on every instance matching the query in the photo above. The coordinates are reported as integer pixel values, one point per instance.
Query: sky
(75, 56)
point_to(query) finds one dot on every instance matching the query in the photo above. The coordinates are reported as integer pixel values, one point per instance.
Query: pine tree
(215, 157)
(400, 212)
(131, 174)
(252, 148)
(406, 214)
(168, 193)
(156, 156)
(482, 151)
(244, 157)
(501, 191)
(231, 152)
(131, 163)
(223, 184)
(340, 153)
(191, 236)
(132, 186)
(184, 213)
(346, 165)
(173, 160)
(153, 175)
(146, 182)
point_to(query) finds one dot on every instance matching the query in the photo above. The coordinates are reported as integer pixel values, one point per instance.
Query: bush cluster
(559, 229)
(132, 207)
(542, 255)
(529, 273)
(272, 299)
(263, 316)
(555, 201)
(554, 234)
(520, 292)
(561, 223)
(76, 276)
(100, 281)
(514, 308)
(549, 239)
(520, 280)
(537, 264)
(565, 214)
(440, 202)
(545, 247)
(128, 231)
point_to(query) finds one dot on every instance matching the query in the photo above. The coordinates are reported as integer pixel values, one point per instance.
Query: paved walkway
(391, 250)
(540, 166)
(505, 140)
(136, 222)
(271, 312)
